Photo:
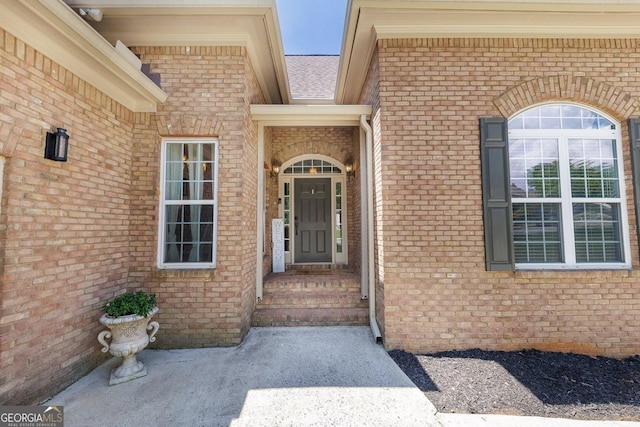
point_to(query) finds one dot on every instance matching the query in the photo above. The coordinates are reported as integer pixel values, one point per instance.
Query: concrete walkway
(333, 376)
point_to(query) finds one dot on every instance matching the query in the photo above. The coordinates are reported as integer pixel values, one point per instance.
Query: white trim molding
(309, 115)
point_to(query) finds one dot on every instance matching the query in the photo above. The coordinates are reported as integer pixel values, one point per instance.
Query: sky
(311, 27)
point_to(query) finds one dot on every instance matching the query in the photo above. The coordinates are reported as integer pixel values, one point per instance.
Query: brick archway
(188, 124)
(604, 96)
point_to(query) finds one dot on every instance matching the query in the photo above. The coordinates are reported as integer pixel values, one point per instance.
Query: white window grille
(188, 211)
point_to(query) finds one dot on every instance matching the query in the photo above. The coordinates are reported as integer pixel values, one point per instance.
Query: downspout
(370, 254)
(260, 209)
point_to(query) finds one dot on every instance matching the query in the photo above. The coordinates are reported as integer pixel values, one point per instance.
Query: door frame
(336, 178)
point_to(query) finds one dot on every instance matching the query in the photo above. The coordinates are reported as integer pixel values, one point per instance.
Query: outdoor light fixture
(275, 167)
(57, 145)
(349, 168)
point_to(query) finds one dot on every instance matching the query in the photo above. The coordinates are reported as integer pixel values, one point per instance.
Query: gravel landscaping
(530, 382)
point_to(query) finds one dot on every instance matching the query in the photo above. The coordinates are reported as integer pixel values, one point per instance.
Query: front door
(312, 220)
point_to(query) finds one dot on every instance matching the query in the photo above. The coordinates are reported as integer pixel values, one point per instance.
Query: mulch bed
(531, 383)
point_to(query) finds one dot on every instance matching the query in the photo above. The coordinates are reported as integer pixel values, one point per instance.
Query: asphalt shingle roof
(312, 76)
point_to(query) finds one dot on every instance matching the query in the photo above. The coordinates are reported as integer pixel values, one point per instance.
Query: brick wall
(64, 226)
(437, 294)
(74, 233)
(338, 143)
(209, 90)
(252, 95)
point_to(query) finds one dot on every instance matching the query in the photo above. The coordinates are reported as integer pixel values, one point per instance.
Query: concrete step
(310, 317)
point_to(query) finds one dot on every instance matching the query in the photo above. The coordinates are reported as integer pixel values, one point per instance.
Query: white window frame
(337, 257)
(214, 202)
(566, 200)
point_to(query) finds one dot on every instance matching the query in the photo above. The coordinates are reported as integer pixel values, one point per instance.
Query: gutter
(370, 254)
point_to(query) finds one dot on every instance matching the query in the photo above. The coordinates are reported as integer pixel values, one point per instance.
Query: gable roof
(312, 78)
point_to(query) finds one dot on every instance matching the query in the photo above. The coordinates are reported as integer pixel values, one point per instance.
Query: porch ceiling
(371, 20)
(252, 24)
(310, 115)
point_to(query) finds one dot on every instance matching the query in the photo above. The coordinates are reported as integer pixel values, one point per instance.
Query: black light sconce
(57, 145)
(275, 167)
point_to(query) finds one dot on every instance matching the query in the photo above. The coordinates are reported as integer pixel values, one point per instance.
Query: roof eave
(252, 24)
(368, 21)
(54, 30)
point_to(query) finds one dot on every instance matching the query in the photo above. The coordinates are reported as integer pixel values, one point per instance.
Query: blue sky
(311, 27)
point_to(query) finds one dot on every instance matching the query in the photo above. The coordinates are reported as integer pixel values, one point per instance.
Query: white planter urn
(128, 336)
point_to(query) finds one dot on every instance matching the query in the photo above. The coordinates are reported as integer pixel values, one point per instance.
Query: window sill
(175, 272)
(578, 267)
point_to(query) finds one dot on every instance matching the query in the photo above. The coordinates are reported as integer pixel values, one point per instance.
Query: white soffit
(371, 20)
(57, 32)
(309, 115)
(252, 24)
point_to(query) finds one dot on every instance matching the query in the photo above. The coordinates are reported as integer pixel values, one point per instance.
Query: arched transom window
(312, 166)
(567, 189)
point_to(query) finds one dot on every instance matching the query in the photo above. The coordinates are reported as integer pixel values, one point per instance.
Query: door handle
(295, 224)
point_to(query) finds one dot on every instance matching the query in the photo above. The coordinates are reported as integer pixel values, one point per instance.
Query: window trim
(566, 201)
(161, 216)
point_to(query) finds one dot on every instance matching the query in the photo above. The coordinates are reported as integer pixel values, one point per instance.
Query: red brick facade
(72, 234)
(202, 307)
(75, 233)
(64, 227)
(437, 294)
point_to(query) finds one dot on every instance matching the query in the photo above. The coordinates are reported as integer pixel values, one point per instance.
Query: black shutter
(634, 136)
(496, 197)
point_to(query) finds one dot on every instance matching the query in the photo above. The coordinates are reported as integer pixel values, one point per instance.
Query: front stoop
(311, 297)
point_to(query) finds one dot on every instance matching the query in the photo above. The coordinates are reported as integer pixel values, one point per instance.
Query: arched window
(312, 166)
(567, 189)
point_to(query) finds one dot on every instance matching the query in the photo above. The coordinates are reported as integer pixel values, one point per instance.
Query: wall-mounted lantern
(275, 167)
(57, 145)
(349, 167)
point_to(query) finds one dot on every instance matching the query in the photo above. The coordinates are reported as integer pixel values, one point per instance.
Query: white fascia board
(309, 115)
(500, 31)
(272, 24)
(170, 3)
(52, 28)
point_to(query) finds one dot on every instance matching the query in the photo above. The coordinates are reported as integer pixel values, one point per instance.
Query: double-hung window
(188, 210)
(567, 189)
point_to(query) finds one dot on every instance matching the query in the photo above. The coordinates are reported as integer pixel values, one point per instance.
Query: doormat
(313, 272)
